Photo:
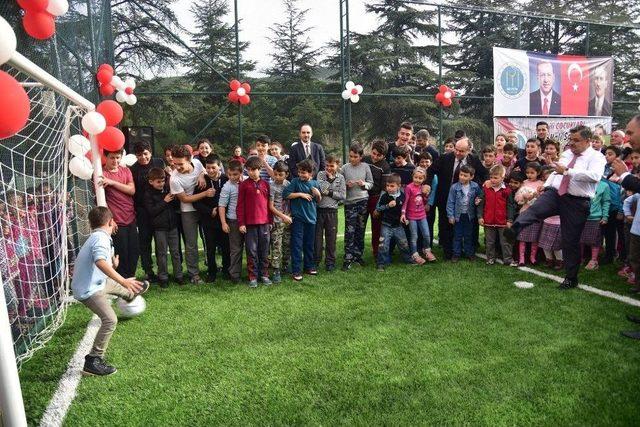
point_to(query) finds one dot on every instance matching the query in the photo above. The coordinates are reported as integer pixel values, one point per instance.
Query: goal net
(43, 211)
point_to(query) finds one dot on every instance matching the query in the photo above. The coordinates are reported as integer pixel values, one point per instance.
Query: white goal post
(33, 78)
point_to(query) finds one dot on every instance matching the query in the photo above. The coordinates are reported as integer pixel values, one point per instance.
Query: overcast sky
(258, 15)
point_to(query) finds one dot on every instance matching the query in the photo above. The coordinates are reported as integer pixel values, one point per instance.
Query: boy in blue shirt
(94, 278)
(303, 193)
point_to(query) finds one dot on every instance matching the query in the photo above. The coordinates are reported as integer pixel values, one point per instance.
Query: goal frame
(11, 401)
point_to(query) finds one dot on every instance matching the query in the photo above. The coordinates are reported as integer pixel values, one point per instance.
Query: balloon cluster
(108, 83)
(39, 16)
(352, 91)
(239, 92)
(100, 124)
(445, 96)
(14, 102)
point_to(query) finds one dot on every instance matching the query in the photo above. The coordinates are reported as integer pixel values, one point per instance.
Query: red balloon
(106, 67)
(246, 87)
(104, 76)
(112, 112)
(14, 106)
(112, 139)
(442, 88)
(234, 84)
(128, 90)
(33, 5)
(440, 97)
(446, 102)
(103, 158)
(107, 90)
(244, 100)
(233, 97)
(39, 25)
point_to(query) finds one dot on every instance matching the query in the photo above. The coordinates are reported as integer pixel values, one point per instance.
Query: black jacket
(163, 216)
(208, 204)
(141, 180)
(379, 171)
(390, 216)
(296, 155)
(631, 183)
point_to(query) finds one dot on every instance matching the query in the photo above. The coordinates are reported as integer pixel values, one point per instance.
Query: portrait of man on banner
(601, 90)
(544, 99)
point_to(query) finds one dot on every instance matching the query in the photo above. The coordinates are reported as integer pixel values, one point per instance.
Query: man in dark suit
(545, 101)
(448, 169)
(630, 183)
(600, 104)
(303, 149)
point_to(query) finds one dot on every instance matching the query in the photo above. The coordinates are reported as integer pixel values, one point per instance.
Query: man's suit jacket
(535, 103)
(296, 155)
(606, 107)
(444, 169)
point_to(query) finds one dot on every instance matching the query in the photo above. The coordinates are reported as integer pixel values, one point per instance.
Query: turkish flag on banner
(574, 77)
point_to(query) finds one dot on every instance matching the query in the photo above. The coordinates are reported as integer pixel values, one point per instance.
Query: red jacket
(253, 203)
(493, 208)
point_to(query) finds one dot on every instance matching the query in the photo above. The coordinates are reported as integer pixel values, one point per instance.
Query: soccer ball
(133, 308)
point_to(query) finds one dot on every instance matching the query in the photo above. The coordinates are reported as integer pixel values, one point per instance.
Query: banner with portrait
(525, 127)
(539, 84)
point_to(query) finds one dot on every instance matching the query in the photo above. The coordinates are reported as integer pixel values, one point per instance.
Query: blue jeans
(387, 235)
(302, 243)
(423, 226)
(463, 237)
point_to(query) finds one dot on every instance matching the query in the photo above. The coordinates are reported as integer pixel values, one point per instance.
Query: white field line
(66, 391)
(597, 291)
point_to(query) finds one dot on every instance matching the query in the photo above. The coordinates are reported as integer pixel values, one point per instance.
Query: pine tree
(214, 41)
(293, 56)
(142, 46)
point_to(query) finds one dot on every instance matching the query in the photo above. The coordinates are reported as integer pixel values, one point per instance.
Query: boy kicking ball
(94, 278)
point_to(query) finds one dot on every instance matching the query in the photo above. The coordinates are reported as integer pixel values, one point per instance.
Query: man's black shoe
(631, 334)
(568, 284)
(94, 365)
(632, 318)
(510, 235)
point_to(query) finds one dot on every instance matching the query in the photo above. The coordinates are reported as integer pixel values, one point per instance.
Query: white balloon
(241, 91)
(355, 99)
(128, 160)
(130, 83)
(346, 94)
(121, 96)
(447, 95)
(94, 123)
(131, 99)
(359, 89)
(8, 41)
(81, 167)
(58, 7)
(118, 83)
(79, 145)
(350, 85)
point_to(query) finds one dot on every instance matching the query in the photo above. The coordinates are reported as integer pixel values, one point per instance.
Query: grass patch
(438, 344)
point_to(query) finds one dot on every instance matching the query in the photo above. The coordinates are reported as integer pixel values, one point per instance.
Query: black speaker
(134, 134)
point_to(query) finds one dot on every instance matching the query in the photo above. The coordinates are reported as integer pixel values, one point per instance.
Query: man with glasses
(567, 192)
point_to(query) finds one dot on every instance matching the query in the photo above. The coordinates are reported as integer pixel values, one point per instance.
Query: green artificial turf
(437, 344)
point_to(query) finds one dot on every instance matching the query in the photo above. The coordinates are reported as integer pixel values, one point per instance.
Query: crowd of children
(289, 224)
